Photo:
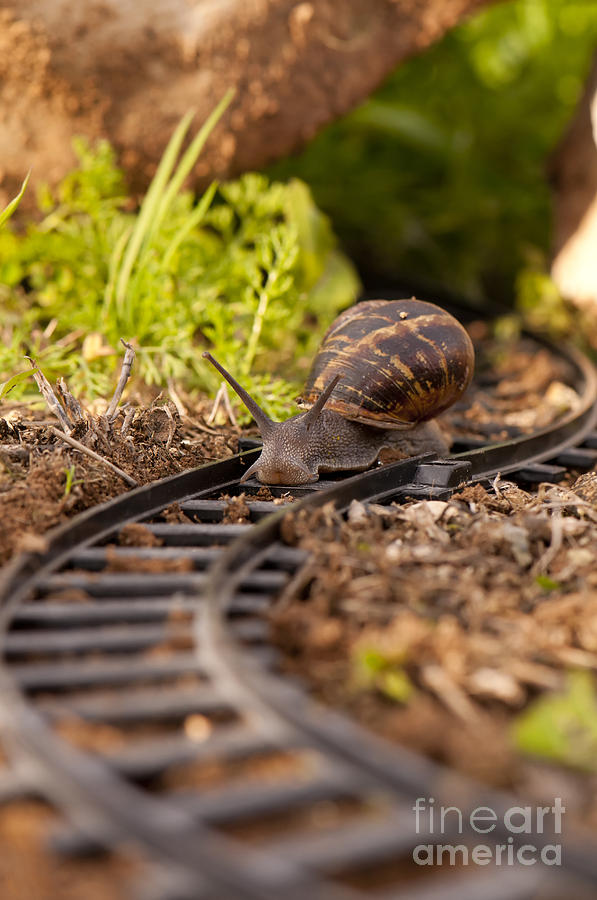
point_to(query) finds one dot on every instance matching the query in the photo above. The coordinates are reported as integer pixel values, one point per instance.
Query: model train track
(139, 693)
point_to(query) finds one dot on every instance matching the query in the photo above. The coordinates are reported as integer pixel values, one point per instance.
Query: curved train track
(164, 647)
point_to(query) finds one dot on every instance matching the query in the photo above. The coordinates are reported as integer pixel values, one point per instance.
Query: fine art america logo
(518, 821)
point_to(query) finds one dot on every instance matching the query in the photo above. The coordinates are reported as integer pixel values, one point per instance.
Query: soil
(30, 871)
(44, 481)
(436, 623)
(518, 387)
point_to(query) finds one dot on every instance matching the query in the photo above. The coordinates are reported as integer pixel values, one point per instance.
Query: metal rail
(200, 598)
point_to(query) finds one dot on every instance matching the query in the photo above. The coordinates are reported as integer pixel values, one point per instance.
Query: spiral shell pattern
(401, 362)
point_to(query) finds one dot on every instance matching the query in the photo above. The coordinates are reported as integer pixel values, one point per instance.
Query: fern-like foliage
(249, 269)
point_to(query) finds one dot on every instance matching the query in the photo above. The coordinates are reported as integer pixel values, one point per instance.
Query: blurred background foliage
(441, 177)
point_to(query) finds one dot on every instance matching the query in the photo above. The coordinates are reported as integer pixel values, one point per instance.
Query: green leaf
(9, 210)
(546, 583)
(562, 726)
(399, 121)
(396, 685)
(150, 206)
(114, 267)
(315, 235)
(455, 193)
(187, 162)
(7, 386)
(162, 191)
(372, 660)
(190, 223)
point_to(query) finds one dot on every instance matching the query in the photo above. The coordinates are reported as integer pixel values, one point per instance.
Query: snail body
(385, 369)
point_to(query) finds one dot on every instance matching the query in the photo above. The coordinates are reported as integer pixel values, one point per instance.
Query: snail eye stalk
(313, 414)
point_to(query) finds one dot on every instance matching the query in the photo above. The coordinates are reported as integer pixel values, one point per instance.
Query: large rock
(129, 69)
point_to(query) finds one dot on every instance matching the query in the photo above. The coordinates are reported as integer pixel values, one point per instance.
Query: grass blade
(7, 386)
(8, 210)
(193, 220)
(114, 263)
(189, 158)
(149, 207)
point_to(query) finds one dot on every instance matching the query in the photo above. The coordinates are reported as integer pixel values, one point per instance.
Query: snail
(384, 370)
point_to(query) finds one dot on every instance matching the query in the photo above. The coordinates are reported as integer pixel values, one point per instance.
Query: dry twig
(222, 398)
(551, 552)
(45, 389)
(72, 405)
(451, 694)
(180, 407)
(171, 426)
(16, 451)
(125, 374)
(297, 585)
(200, 427)
(79, 446)
(128, 418)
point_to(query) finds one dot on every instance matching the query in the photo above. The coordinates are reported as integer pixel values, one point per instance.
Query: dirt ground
(43, 481)
(29, 871)
(437, 623)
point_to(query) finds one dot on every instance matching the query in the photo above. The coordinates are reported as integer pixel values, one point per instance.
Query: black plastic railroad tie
(536, 473)
(68, 841)
(583, 458)
(443, 473)
(16, 786)
(419, 492)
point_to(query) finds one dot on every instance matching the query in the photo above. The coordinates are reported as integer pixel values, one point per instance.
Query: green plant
(441, 175)
(541, 305)
(250, 270)
(70, 481)
(7, 386)
(11, 207)
(375, 670)
(562, 726)
(5, 214)
(547, 584)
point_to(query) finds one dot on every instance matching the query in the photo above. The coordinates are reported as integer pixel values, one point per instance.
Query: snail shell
(401, 362)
